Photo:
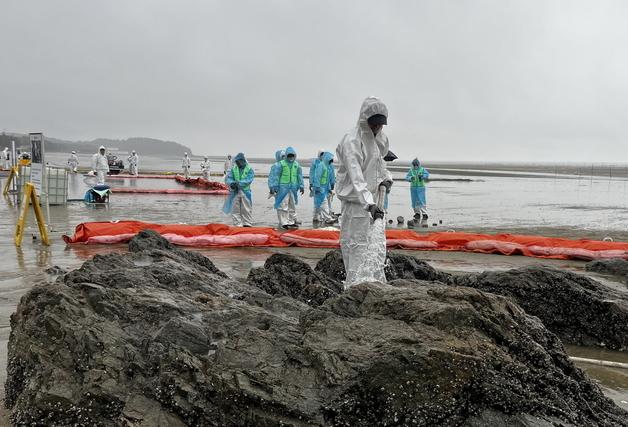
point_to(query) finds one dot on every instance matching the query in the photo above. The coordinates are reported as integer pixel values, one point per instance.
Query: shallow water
(551, 206)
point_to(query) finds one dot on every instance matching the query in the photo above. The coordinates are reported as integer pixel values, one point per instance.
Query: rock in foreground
(614, 267)
(578, 309)
(285, 275)
(159, 337)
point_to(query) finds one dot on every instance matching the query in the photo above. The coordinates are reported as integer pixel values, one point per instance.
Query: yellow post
(40, 218)
(12, 176)
(30, 197)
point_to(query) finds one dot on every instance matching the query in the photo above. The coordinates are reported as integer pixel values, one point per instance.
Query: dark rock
(168, 342)
(332, 266)
(613, 267)
(55, 270)
(398, 266)
(149, 239)
(289, 276)
(576, 308)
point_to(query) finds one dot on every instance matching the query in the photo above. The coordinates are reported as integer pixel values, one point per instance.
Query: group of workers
(100, 164)
(361, 173)
(205, 166)
(285, 184)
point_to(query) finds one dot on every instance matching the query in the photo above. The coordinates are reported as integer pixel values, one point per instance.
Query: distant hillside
(140, 144)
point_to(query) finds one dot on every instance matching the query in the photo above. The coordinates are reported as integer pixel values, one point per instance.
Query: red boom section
(220, 235)
(167, 191)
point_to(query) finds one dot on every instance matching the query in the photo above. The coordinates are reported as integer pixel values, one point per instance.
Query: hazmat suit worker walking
(100, 165)
(73, 162)
(289, 181)
(205, 168)
(417, 175)
(133, 160)
(227, 165)
(186, 164)
(361, 171)
(321, 186)
(240, 203)
(6, 159)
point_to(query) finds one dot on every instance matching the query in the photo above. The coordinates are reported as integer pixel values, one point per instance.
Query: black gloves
(376, 213)
(234, 186)
(388, 184)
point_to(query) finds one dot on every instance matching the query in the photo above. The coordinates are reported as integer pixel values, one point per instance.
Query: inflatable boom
(224, 236)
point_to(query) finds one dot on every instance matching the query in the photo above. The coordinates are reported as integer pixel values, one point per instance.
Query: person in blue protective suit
(240, 203)
(417, 175)
(288, 180)
(315, 162)
(332, 186)
(273, 177)
(321, 186)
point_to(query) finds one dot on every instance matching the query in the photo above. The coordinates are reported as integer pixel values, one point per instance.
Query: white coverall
(133, 162)
(186, 166)
(361, 168)
(6, 161)
(101, 166)
(205, 172)
(73, 162)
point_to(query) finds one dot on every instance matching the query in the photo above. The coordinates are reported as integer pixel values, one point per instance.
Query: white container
(56, 180)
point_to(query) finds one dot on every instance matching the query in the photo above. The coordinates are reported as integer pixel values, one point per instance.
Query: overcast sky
(485, 80)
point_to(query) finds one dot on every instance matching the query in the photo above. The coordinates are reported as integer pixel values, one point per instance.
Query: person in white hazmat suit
(186, 164)
(228, 164)
(205, 172)
(6, 159)
(100, 165)
(134, 161)
(361, 170)
(73, 162)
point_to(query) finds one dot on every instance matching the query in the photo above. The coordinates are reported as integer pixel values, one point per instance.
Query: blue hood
(239, 156)
(291, 150)
(279, 154)
(327, 157)
(416, 162)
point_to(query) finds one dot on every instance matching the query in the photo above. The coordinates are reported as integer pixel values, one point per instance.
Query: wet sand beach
(592, 208)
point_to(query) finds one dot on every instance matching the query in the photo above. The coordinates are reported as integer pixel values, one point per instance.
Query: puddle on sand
(614, 381)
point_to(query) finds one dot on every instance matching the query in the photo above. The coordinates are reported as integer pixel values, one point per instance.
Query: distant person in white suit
(133, 163)
(100, 165)
(186, 165)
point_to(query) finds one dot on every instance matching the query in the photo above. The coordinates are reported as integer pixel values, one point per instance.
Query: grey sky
(463, 80)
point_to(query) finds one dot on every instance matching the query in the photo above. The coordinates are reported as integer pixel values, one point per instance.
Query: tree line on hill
(139, 144)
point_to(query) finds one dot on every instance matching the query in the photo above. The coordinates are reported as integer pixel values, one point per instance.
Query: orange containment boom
(167, 191)
(220, 235)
